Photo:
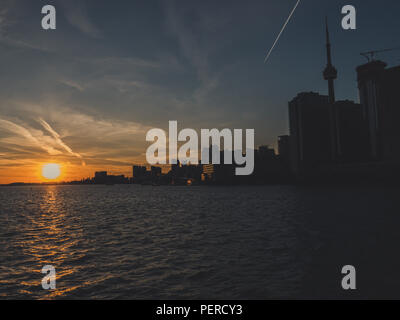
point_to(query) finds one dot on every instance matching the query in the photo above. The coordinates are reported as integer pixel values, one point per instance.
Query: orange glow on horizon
(31, 172)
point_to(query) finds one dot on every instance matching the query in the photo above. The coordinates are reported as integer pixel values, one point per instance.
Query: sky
(85, 95)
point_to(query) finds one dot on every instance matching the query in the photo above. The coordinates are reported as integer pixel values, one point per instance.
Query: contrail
(21, 131)
(57, 138)
(280, 33)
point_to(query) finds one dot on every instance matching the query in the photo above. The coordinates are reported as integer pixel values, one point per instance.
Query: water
(143, 242)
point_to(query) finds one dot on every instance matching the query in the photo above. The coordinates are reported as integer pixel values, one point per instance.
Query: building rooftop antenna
(370, 55)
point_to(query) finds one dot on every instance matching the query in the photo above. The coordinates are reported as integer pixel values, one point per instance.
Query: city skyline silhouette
(66, 121)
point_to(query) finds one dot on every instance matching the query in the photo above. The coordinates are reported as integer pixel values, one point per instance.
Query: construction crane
(370, 55)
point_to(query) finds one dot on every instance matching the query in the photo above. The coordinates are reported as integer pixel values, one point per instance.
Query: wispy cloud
(77, 15)
(73, 84)
(193, 46)
(107, 143)
(3, 21)
(24, 132)
(11, 13)
(5, 15)
(58, 139)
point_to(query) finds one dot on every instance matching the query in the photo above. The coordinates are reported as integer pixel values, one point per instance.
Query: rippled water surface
(139, 242)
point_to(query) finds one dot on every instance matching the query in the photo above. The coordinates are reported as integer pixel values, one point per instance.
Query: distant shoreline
(299, 183)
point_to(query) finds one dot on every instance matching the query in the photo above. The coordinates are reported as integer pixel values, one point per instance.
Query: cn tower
(330, 74)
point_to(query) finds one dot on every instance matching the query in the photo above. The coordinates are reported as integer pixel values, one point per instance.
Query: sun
(51, 171)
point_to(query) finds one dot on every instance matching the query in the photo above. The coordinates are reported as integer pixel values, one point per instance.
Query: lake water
(144, 242)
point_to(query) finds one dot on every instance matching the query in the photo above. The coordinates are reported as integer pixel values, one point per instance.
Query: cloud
(23, 44)
(58, 139)
(126, 62)
(3, 21)
(6, 17)
(196, 45)
(108, 144)
(73, 84)
(190, 46)
(21, 131)
(12, 20)
(77, 16)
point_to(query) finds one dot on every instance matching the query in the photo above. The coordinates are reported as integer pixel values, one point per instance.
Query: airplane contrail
(24, 132)
(58, 139)
(280, 33)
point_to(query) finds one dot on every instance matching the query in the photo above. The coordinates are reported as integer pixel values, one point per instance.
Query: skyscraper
(352, 133)
(379, 90)
(310, 143)
(284, 148)
(138, 173)
(390, 95)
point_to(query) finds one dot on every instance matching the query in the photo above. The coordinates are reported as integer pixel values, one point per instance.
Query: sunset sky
(84, 95)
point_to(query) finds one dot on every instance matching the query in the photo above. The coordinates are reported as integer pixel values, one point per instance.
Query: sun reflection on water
(50, 237)
(126, 242)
